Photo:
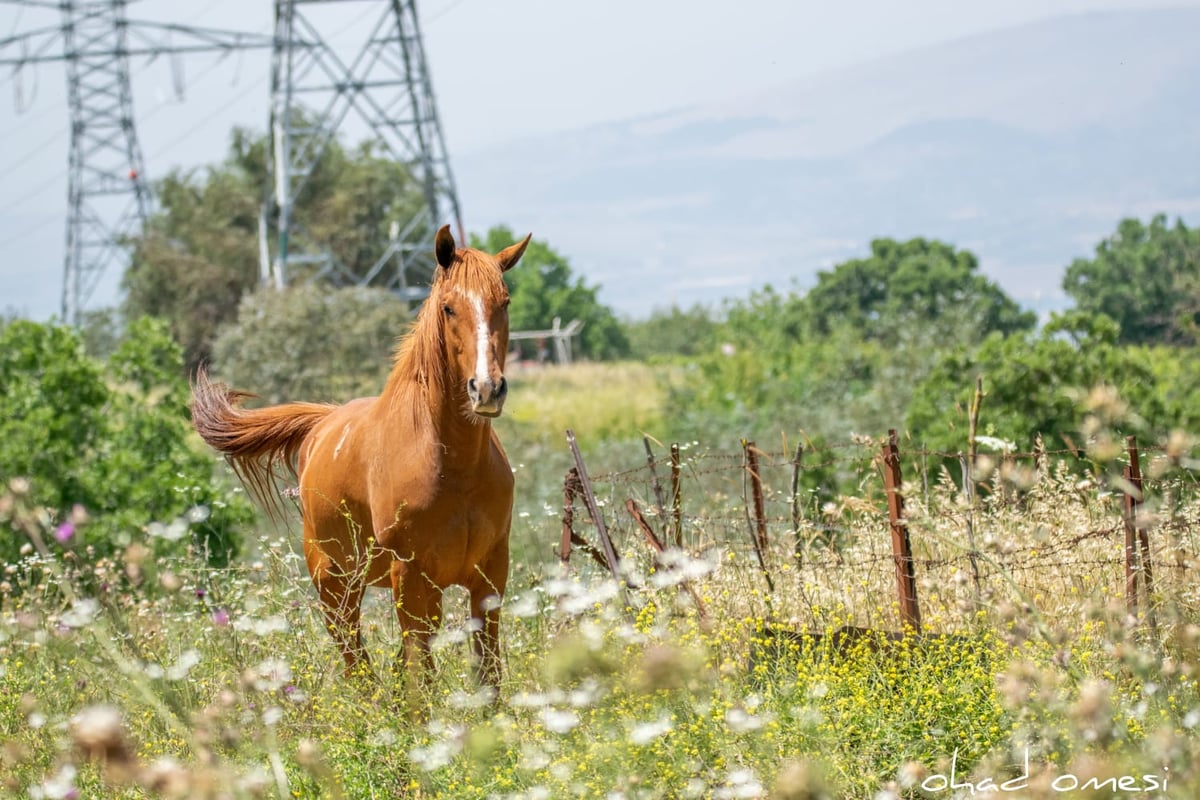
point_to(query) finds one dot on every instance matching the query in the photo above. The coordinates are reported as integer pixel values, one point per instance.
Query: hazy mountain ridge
(1026, 145)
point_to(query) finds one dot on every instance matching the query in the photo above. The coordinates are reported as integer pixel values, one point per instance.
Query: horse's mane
(420, 353)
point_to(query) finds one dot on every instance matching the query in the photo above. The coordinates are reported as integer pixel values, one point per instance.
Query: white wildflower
(436, 755)
(525, 605)
(447, 637)
(59, 786)
(678, 566)
(81, 613)
(275, 623)
(384, 737)
(997, 444)
(741, 783)
(741, 721)
(197, 514)
(183, 665)
(477, 699)
(646, 732)
(271, 674)
(559, 721)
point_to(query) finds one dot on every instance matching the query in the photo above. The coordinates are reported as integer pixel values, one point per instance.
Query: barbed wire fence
(924, 539)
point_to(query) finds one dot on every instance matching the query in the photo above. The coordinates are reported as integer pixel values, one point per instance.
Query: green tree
(1147, 278)
(918, 281)
(1036, 383)
(543, 287)
(112, 438)
(199, 254)
(844, 357)
(311, 343)
(672, 332)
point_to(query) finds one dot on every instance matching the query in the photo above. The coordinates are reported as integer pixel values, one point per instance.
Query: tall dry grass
(131, 677)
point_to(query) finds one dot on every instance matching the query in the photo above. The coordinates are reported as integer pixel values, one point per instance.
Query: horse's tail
(254, 441)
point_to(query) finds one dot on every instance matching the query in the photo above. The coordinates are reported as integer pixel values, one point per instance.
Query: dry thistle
(800, 780)
(99, 734)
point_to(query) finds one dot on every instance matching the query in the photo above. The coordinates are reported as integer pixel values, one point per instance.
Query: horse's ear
(443, 247)
(509, 256)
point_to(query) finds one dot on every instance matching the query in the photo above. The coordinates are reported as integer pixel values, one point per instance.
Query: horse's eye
(449, 312)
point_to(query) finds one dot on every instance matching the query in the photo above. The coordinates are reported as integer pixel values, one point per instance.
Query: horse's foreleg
(486, 590)
(418, 610)
(341, 603)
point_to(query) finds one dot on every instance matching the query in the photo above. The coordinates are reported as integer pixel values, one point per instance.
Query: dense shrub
(311, 342)
(110, 442)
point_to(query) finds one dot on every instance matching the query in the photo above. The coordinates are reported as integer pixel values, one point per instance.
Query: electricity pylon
(385, 81)
(106, 184)
(108, 197)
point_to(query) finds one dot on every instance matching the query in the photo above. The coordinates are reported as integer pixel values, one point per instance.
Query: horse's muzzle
(487, 397)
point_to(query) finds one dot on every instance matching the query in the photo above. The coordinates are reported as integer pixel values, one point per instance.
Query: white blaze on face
(482, 336)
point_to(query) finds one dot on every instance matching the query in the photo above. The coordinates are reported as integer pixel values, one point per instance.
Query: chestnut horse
(409, 489)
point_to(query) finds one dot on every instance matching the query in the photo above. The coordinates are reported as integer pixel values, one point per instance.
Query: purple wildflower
(220, 617)
(65, 532)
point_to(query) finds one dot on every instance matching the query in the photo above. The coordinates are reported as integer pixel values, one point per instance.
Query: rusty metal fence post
(656, 487)
(676, 499)
(1138, 574)
(799, 544)
(589, 498)
(758, 532)
(570, 490)
(906, 581)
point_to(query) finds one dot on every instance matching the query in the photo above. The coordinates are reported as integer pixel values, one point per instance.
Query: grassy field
(137, 677)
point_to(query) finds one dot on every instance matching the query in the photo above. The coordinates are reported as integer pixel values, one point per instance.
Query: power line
(95, 41)
(443, 11)
(55, 179)
(28, 230)
(386, 84)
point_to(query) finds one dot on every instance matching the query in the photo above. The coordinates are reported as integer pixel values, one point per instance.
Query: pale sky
(501, 70)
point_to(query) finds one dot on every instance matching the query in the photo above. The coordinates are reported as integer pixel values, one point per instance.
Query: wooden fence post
(570, 490)
(799, 554)
(1138, 574)
(659, 503)
(967, 464)
(676, 499)
(758, 532)
(906, 581)
(589, 499)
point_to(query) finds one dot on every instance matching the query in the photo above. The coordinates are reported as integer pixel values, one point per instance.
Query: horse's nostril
(471, 387)
(503, 388)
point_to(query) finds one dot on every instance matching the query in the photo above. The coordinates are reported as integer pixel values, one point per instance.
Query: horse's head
(474, 309)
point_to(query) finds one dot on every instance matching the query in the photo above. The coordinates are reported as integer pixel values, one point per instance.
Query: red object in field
(133, 174)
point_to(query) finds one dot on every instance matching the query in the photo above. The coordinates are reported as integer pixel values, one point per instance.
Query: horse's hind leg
(341, 603)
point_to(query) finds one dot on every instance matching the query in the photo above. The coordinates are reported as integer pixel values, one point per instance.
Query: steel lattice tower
(107, 196)
(313, 91)
(314, 88)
